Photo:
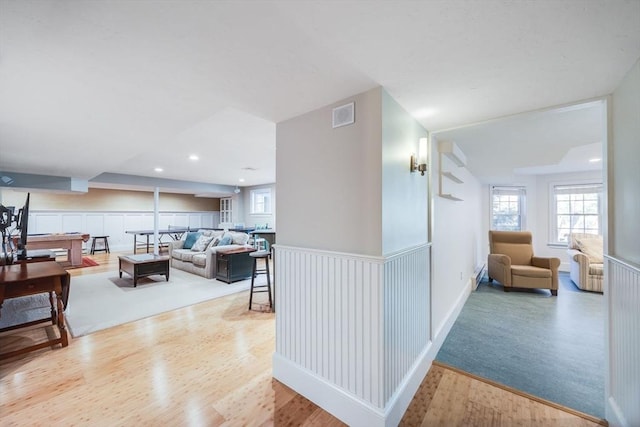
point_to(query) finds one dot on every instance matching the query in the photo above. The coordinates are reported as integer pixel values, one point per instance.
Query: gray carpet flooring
(550, 347)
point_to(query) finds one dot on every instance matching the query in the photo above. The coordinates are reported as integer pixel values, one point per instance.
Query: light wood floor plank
(210, 365)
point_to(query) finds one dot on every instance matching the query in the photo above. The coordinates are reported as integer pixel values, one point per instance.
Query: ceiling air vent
(344, 115)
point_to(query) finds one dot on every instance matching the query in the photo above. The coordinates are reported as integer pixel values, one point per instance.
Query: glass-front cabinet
(225, 210)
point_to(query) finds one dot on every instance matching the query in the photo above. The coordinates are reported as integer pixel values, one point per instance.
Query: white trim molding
(622, 296)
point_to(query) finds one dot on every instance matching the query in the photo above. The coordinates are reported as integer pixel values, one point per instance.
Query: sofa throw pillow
(591, 247)
(202, 243)
(190, 240)
(226, 240)
(238, 238)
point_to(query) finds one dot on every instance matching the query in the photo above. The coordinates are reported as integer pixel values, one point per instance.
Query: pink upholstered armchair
(512, 263)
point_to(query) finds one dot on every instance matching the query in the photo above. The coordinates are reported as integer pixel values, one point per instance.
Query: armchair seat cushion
(530, 271)
(596, 269)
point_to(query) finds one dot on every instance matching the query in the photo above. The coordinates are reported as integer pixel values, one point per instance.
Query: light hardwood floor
(209, 365)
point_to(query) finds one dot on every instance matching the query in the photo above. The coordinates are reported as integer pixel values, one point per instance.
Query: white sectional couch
(203, 262)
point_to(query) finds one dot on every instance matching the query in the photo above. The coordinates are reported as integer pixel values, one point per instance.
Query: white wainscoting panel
(623, 289)
(114, 224)
(406, 313)
(356, 323)
(329, 317)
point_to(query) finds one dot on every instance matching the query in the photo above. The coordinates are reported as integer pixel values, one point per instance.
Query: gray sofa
(203, 262)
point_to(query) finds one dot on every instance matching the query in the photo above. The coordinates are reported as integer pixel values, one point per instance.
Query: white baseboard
(352, 410)
(401, 399)
(346, 407)
(614, 415)
(443, 330)
(329, 397)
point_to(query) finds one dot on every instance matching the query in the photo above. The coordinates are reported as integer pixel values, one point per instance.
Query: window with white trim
(261, 201)
(508, 208)
(577, 209)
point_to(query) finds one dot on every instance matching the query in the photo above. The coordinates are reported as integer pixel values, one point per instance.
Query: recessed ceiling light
(595, 160)
(194, 157)
(158, 169)
(241, 180)
(424, 113)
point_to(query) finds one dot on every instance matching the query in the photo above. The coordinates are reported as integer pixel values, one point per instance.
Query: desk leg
(75, 253)
(54, 315)
(135, 243)
(64, 339)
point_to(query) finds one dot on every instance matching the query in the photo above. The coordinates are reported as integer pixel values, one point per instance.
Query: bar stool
(263, 255)
(105, 244)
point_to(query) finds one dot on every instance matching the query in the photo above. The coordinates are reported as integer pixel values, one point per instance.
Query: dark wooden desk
(34, 278)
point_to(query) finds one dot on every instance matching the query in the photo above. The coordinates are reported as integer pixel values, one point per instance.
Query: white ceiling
(122, 87)
(558, 140)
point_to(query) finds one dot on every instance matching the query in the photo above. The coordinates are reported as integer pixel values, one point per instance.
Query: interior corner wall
(250, 219)
(457, 246)
(352, 261)
(622, 255)
(404, 194)
(343, 165)
(624, 160)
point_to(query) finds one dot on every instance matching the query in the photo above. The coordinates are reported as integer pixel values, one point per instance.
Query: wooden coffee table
(143, 265)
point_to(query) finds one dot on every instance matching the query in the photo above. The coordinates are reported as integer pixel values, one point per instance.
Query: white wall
(622, 247)
(404, 194)
(352, 261)
(99, 199)
(115, 224)
(329, 180)
(624, 158)
(102, 212)
(457, 245)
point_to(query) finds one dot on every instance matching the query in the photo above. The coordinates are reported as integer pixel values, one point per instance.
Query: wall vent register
(343, 115)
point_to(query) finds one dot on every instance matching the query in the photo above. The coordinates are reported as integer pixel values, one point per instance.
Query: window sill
(557, 245)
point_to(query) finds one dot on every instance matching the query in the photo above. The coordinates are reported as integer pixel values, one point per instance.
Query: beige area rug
(103, 300)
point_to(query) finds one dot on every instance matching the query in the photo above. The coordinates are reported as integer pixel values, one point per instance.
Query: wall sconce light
(420, 163)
